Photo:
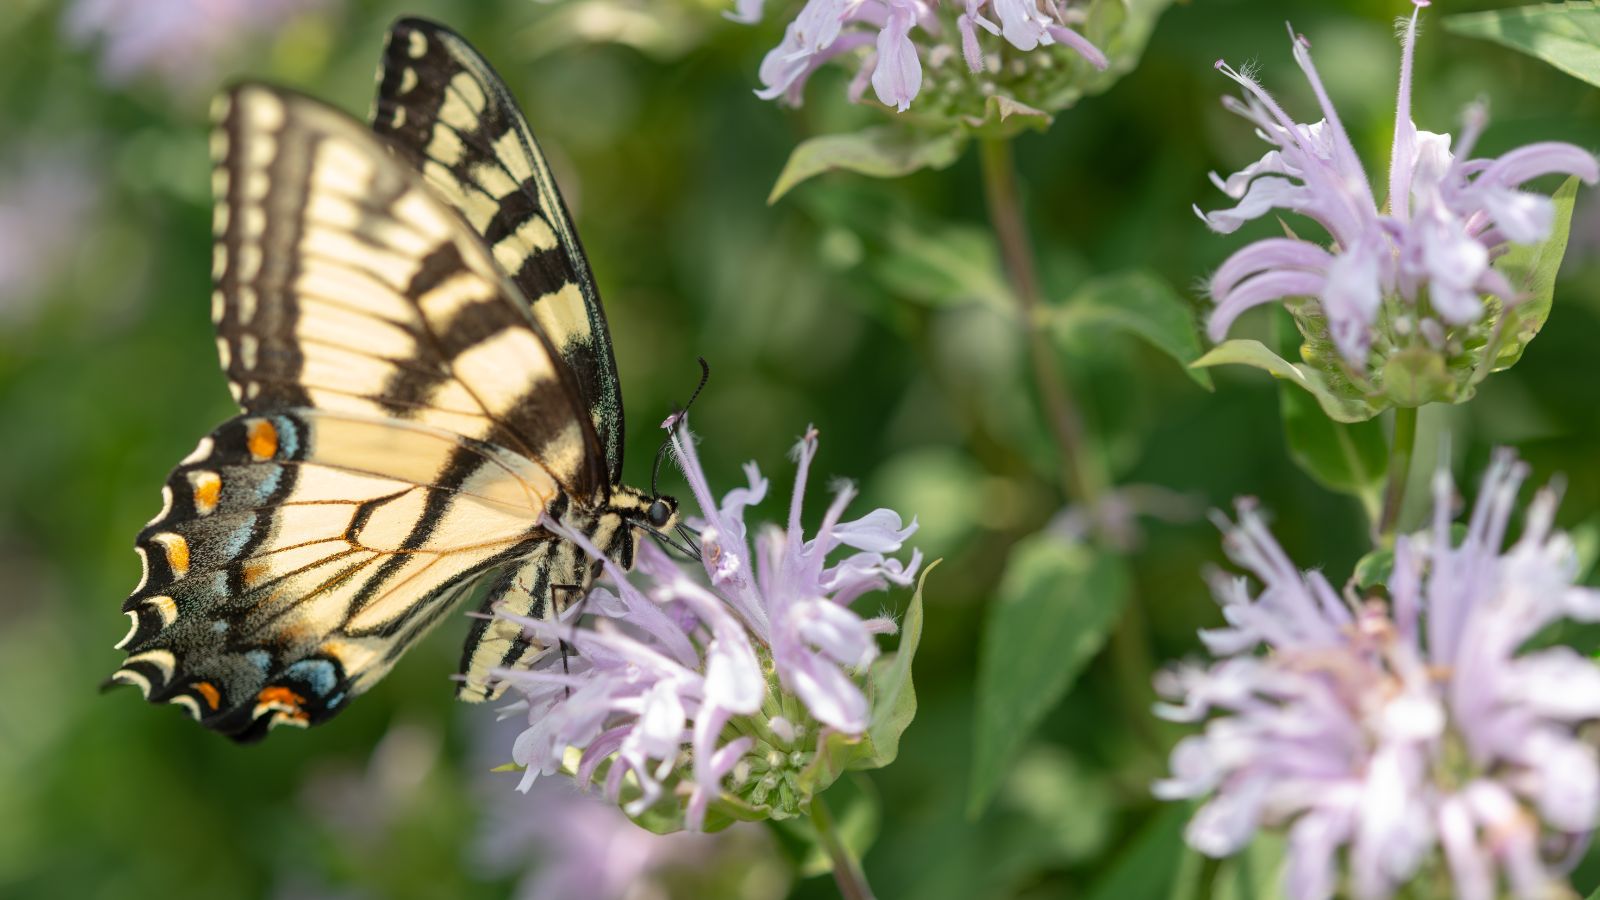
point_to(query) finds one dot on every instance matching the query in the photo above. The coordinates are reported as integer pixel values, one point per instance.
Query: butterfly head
(655, 514)
(662, 513)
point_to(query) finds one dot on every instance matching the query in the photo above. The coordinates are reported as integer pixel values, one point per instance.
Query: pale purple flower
(1405, 732)
(182, 41)
(662, 672)
(1447, 218)
(896, 37)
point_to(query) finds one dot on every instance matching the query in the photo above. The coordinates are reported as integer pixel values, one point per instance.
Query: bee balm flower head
(1408, 728)
(1416, 273)
(723, 685)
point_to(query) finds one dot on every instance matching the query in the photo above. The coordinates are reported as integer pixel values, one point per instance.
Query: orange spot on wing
(207, 490)
(253, 572)
(262, 439)
(209, 693)
(177, 553)
(278, 695)
(285, 705)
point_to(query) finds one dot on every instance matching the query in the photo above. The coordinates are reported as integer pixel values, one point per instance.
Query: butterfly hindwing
(406, 425)
(446, 110)
(300, 552)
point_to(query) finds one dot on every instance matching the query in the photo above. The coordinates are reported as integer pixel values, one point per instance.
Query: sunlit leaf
(1141, 304)
(1339, 407)
(944, 265)
(1565, 35)
(1056, 603)
(894, 705)
(882, 152)
(1532, 270)
(1004, 117)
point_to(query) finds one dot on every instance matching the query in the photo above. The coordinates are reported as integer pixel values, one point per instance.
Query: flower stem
(1400, 452)
(846, 868)
(1079, 477)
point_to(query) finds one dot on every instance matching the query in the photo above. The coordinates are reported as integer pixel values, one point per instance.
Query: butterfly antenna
(687, 547)
(677, 419)
(688, 535)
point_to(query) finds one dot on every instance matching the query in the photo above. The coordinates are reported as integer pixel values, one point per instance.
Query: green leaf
(1065, 812)
(1004, 117)
(1148, 866)
(1565, 35)
(1141, 304)
(1346, 457)
(950, 265)
(1373, 569)
(884, 151)
(1349, 458)
(894, 704)
(1532, 271)
(894, 697)
(1057, 602)
(1339, 407)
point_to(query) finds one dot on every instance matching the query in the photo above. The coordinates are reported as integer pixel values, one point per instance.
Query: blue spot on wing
(318, 673)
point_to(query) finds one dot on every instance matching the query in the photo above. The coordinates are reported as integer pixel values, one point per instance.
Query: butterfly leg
(539, 588)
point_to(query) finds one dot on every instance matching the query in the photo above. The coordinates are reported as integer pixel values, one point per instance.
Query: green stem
(1400, 454)
(1206, 887)
(846, 868)
(1079, 476)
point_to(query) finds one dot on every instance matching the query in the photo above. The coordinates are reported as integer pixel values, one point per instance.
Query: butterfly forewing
(343, 283)
(406, 425)
(444, 108)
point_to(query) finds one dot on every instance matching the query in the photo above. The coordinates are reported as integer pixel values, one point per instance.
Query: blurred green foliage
(845, 305)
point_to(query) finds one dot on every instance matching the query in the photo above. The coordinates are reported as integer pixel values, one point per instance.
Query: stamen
(1348, 160)
(1401, 163)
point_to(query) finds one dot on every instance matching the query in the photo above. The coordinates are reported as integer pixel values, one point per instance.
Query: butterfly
(411, 328)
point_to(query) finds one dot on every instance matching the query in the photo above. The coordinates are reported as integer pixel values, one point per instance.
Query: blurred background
(815, 310)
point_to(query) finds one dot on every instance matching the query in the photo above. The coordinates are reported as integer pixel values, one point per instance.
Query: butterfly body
(424, 385)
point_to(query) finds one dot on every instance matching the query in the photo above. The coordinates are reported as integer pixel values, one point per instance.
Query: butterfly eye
(659, 513)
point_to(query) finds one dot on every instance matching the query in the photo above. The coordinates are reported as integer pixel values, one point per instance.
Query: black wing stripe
(346, 285)
(449, 113)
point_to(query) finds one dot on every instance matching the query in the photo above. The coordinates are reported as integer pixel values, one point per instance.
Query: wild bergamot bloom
(741, 688)
(956, 49)
(1413, 279)
(1407, 726)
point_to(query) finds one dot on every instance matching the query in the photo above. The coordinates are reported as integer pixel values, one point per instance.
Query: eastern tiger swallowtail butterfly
(410, 325)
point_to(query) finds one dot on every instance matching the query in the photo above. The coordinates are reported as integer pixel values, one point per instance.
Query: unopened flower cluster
(719, 685)
(1407, 284)
(1405, 730)
(956, 50)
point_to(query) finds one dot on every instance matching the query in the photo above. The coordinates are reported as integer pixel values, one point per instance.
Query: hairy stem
(846, 868)
(1079, 476)
(1400, 453)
